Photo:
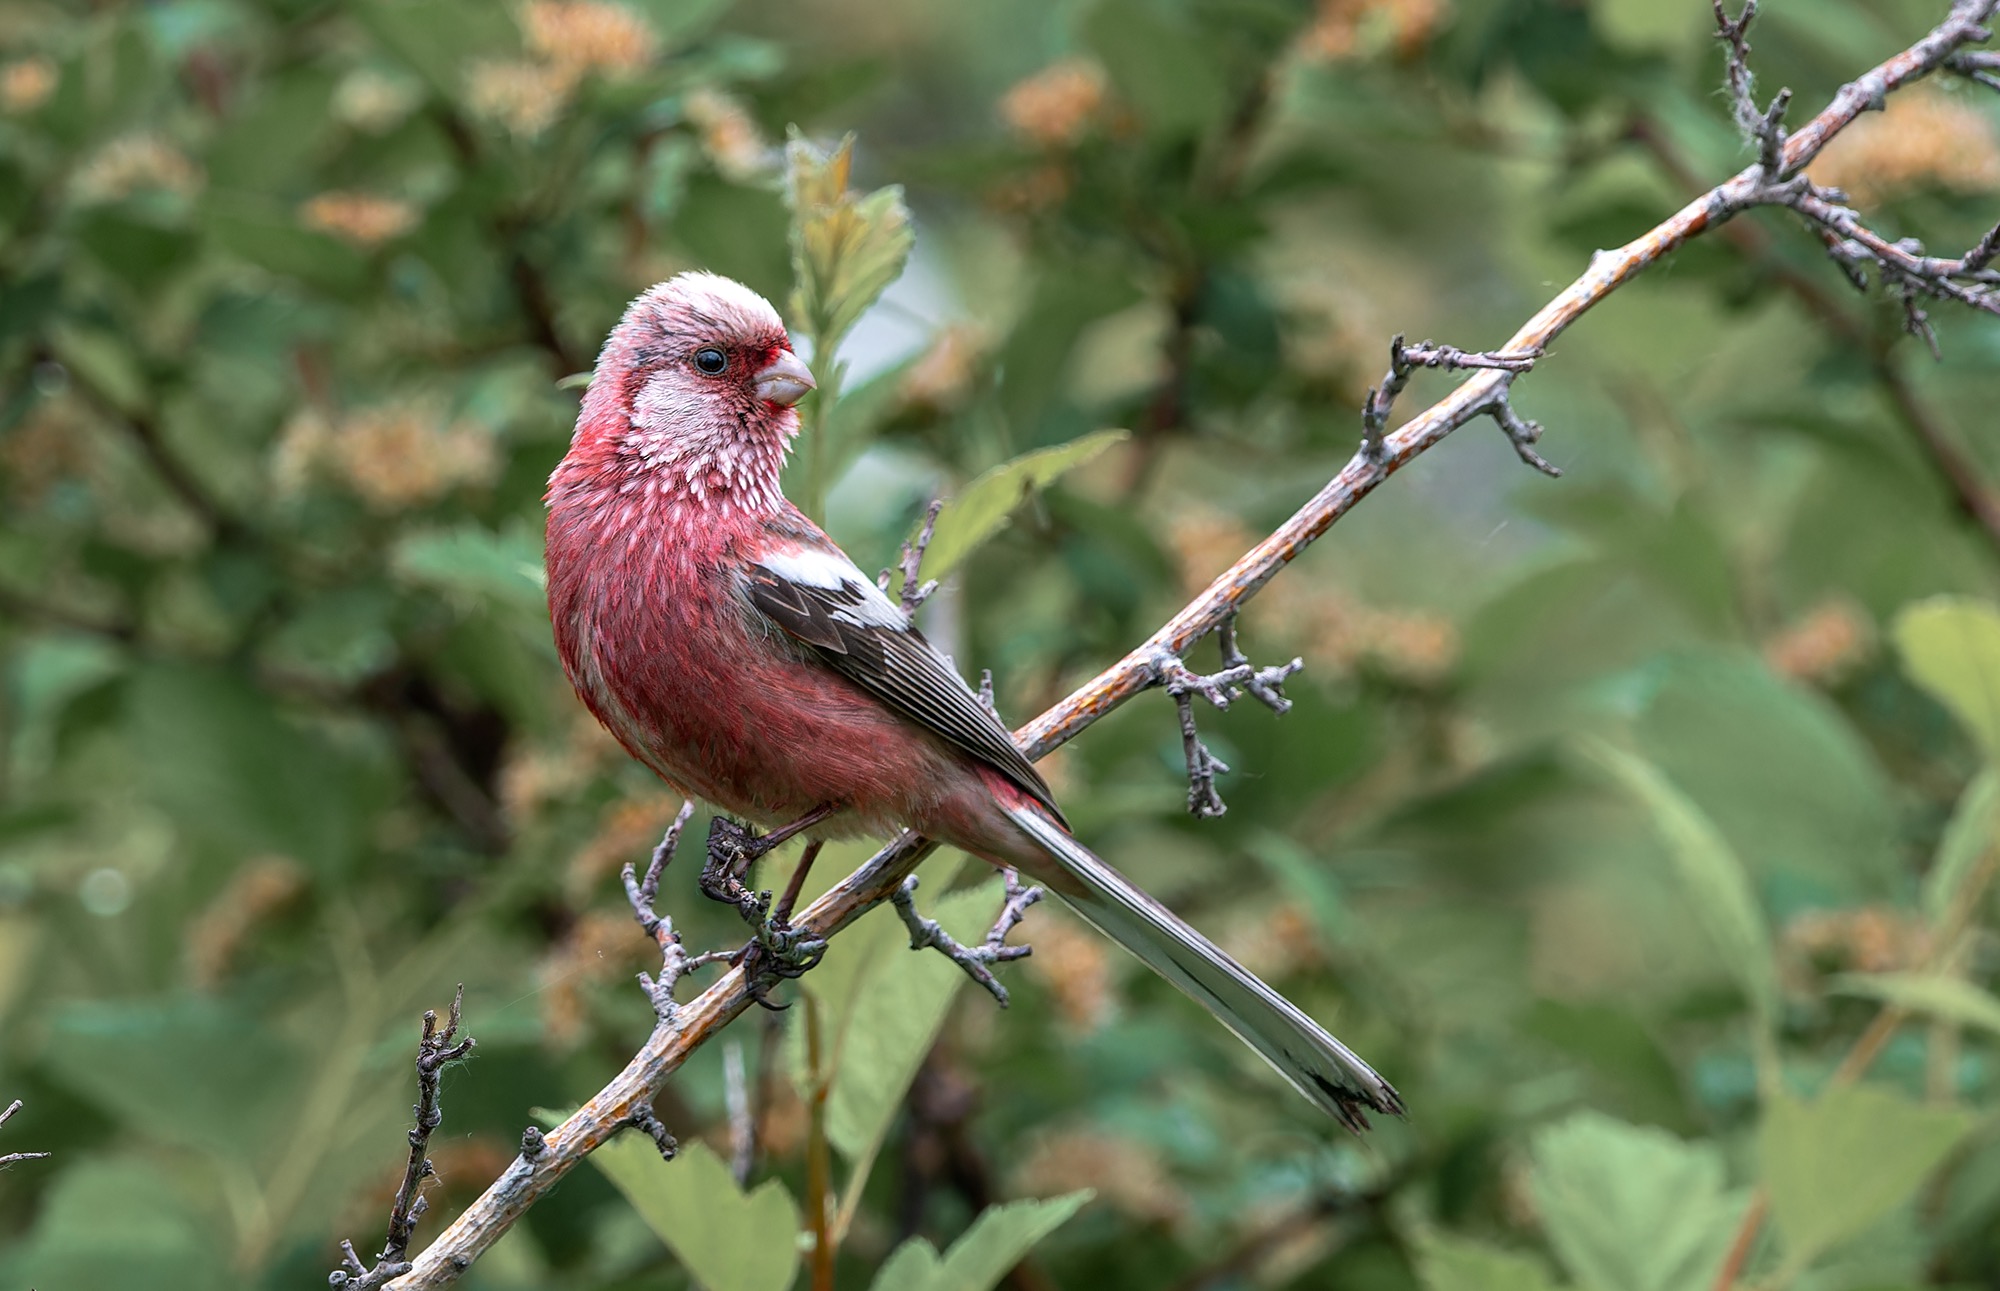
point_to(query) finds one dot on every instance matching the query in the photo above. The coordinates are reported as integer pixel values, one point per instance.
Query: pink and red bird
(735, 650)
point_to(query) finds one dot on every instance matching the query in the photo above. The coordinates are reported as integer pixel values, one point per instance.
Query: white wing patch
(831, 571)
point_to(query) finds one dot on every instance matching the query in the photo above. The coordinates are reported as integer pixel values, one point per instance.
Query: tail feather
(1322, 1068)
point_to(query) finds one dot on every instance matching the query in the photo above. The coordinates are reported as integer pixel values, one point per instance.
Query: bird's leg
(733, 849)
(779, 951)
(776, 951)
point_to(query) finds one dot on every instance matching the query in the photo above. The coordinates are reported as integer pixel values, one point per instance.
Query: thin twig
(699, 1020)
(915, 593)
(1237, 678)
(929, 934)
(736, 1099)
(435, 1048)
(12, 1157)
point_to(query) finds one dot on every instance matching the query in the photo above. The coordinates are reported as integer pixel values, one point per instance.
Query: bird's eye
(710, 360)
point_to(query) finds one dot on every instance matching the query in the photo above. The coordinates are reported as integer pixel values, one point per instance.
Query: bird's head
(696, 387)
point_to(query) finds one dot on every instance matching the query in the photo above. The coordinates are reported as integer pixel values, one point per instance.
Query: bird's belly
(765, 735)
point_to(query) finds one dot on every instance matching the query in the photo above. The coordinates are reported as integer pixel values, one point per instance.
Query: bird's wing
(817, 596)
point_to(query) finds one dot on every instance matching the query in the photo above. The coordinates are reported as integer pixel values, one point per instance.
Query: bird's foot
(779, 952)
(732, 850)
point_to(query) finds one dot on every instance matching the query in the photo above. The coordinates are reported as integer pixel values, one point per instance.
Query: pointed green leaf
(1632, 1209)
(474, 563)
(727, 1241)
(846, 247)
(1949, 999)
(1838, 1164)
(894, 1024)
(983, 506)
(1712, 875)
(983, 1255)
(1968, 837)
(1950, 646)
(1449, 1263)
(116, 1222)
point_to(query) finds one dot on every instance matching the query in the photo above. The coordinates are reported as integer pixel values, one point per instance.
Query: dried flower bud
(359, 219)
(25, 84)
(1826, 646)
(1056, 106)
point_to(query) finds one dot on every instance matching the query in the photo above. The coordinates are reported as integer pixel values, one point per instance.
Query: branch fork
(1237, 678)
(11, 1157)
(435, 1048)
(1404, 360)
(929, 934)
(914, 593)
(675, 962)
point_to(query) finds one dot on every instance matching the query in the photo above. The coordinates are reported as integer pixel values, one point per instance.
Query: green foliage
(726, 1239)
(982, 507)
(995, 1243)
(1629, 1208)
(1951, 647)
(1711, 875)
(1838, 1164)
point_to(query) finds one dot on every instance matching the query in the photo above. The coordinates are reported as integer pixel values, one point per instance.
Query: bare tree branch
(929, 934)
(12, 1157)
(434, 1049)
(694, 1023)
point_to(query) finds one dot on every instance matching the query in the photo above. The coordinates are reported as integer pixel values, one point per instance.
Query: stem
(819, 1181)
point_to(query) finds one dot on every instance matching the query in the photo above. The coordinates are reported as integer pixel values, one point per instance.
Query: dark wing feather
(899, 667)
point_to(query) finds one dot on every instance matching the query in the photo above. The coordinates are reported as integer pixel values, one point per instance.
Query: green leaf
(1712, 875)
(1449, 1263)
(1967, 839)
(1632, 1209)
(893, 1021)
(1836, 1165)
(846, 248)
(1951, 999)
(1776, 767)
(152, 1242)
(474, 563)
(1950, 646)
(221, 761)
(192, 1071)
(726, 1240)
(1167, 70)
(979, 511)
(983, 1255)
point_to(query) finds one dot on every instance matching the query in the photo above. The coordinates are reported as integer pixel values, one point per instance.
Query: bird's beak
(785, 381)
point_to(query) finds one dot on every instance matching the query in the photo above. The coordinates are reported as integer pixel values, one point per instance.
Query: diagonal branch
(699, 1020)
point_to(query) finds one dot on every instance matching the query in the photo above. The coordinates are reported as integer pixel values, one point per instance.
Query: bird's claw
(779, 952)
(732, 850)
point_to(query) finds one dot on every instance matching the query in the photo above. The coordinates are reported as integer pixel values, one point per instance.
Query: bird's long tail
(1318, 1066)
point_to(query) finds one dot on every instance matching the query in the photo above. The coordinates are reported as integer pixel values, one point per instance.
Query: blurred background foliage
(1614, 817)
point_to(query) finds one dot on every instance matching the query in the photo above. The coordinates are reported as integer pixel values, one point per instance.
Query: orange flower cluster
(585, 36)
(1343, 30)
(1074, 963)
(1826, 646)
(627, 830)
(1924, 137)
(1128, 1175)
(360, 219)
(600, 945)
(393, 457)
(25, 84)
(263, 887)
(1871, 939)
(536, 775)
(1415, 647)
(729, 137)
(567, 40)
(1058, 105)
(136, 163)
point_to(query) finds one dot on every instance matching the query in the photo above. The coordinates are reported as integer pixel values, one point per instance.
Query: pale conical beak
(785, 381)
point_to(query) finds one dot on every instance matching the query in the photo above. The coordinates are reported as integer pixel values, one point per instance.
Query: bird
(735, 650)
